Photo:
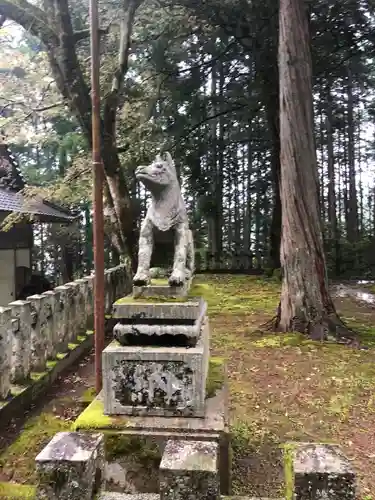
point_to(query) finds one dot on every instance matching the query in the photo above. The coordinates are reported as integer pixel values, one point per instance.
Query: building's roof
(12, 200)
(38, 209)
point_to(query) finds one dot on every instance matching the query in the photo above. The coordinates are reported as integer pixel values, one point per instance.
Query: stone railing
(36, 330)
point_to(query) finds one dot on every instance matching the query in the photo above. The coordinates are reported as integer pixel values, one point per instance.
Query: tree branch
(84, 34)
(31, 18)
(111, 99)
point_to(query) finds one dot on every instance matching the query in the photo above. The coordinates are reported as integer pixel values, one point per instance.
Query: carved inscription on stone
(153, 384)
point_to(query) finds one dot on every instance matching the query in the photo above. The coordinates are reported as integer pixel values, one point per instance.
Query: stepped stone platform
(158, 363)
(213, 426)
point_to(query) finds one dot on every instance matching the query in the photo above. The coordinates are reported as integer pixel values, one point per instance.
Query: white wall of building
(7, 277)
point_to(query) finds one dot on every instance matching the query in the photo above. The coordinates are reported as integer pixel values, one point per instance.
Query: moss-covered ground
(283, 388)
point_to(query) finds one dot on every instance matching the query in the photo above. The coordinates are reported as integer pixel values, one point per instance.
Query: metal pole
(98, 177)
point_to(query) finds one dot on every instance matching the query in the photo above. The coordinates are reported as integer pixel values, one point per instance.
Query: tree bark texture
(305, 304)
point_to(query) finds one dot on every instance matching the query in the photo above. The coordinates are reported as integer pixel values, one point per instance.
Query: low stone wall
(36, 330)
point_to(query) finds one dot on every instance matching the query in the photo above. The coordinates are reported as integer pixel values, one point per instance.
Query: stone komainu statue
(166, 215)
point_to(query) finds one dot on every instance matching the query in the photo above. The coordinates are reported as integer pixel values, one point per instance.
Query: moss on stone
(215, 376)
(89, 332)
(81, 338)
(14, 491)
(16, 390)
(61, 355)
(129, 299)
(93, 418)
(72, 346)
(35, 376)
(288, 470)
(51, 364)
(18, 459)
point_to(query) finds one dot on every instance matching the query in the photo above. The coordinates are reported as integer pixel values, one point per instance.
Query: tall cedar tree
(305, 304)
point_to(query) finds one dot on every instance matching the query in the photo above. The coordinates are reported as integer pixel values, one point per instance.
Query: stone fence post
(53, 321)
(81, 298)
(90, 302)
(64, 315)
(5, 350)
(75, 313)
(21, 340)
(40, 344)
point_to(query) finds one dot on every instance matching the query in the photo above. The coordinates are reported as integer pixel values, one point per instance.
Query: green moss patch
(215, 376)
(288, 470)
(141, 450)
(51, 364)
(129, 299)
(61, 355)
(88, 396)
(72, 346)
(13, 491)
(16, 390)
(35, 376)
(18, 460)
(93, 418)
(81, 338)
(226, 294)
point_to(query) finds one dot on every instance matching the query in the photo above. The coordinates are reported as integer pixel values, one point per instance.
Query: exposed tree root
(328, 328)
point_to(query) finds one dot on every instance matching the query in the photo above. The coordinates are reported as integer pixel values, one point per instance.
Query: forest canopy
(199, 79)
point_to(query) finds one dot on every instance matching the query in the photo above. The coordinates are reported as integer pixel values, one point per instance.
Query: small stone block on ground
(70, 467)
(322, 471)
(189, 471)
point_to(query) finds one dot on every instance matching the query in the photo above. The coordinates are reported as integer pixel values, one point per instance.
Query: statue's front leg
(178, 275)
(146, 243)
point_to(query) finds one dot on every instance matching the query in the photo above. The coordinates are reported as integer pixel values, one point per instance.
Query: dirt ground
(282, 388)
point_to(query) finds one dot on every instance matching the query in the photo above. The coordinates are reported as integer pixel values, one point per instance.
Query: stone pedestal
(322, 471)
(214, 426)
(70, 467)
(189, 471)
(156, 380)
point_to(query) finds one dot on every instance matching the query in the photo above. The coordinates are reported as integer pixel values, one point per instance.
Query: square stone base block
(188, 471)
(163, 381)
(70, 467)
(320, 471)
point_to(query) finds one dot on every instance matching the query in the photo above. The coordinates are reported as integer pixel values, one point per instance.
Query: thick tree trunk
(305, 304)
